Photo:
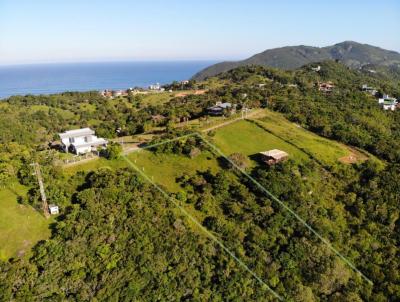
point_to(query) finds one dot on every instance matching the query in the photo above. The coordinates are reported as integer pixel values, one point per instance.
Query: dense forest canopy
(119, 239)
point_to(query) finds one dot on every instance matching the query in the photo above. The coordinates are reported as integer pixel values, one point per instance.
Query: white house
(389, 105)
(387, 102)
(318, 68)
(81, 141)
(54, 210)
(156, 87)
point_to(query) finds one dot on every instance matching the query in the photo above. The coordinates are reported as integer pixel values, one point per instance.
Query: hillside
(350, 53)
(124, 233)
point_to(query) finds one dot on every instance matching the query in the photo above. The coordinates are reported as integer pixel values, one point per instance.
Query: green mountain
(352, 54)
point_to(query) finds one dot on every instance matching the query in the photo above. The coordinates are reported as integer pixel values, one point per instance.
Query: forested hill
(118, 239)
(350, 53)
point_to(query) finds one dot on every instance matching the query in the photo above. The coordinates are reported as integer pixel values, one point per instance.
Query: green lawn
(20, 225)
(325, 150)
(249, 139)
(165, 168)
(94, 164)
(156, 98)
(273, 131)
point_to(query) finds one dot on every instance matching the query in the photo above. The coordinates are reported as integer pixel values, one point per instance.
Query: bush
(113, 151)
(239, 160)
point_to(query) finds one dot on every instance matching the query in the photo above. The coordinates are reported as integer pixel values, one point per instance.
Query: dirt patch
(25, 246)
(196, 92)
(355, 156)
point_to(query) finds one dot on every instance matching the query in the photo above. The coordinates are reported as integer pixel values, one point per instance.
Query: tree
(113, 151)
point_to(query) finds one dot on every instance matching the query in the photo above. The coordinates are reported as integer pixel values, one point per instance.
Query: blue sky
(37, 31)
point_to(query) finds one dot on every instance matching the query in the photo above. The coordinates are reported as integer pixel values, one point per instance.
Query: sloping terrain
(350, 53)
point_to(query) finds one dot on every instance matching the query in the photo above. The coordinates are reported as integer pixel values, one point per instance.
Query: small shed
(53, 209)
(274, 156)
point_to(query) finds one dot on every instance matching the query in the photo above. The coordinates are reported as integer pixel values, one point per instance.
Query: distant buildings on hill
(326, 87)
(156, 87)
(386, 102)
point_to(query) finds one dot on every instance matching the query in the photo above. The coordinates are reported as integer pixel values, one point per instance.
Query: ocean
(55, 78)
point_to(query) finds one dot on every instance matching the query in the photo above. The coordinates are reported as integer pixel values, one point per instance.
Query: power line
(207, 232)
(292, 212)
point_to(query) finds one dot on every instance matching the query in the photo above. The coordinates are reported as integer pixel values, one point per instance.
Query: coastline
(37, 79)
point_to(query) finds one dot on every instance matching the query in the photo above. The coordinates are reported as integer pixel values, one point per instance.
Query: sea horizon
(51, 78)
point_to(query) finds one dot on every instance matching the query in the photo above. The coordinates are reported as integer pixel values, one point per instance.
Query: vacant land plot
(21, 226)
(249, 139)
(324, 149)
(165, 168)
(93, 165)
(156, 98)
(273, 131)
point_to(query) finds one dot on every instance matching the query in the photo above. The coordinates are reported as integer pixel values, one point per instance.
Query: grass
(325, 150)
(156, 98)
(21, 226)
(94, 165)
(249, 139)
(165, 168)
(273, 131)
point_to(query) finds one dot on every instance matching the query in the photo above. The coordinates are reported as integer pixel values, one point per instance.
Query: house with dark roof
(220, 109)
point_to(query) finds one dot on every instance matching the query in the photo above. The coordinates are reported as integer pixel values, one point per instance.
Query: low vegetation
(21, 226)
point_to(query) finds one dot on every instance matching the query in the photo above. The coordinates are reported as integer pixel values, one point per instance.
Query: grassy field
(325, 150)
(249, 139)
(165, 168)
(273, 131)
(20, 226)
(93, 165)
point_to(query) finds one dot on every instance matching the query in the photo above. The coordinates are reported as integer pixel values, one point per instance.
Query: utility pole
(38, 174)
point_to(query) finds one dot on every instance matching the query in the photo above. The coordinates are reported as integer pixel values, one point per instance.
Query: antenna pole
(38, 174)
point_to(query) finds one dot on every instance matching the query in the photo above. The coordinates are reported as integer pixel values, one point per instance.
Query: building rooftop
(220, 105)
(389, 102)
(97, 142)
(275, 153)
(76, 133)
